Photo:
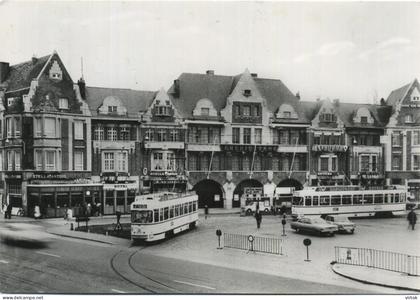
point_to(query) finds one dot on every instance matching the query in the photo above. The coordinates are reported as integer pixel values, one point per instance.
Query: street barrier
(386, 260)
(253, 243)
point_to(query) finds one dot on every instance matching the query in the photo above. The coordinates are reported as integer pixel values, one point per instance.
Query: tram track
(132, 281)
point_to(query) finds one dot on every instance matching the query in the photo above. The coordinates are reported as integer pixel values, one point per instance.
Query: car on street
(314, 225)
(343, 223)
(251, 207)
(24, 233)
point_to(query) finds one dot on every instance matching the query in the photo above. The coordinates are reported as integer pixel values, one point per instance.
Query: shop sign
(49, 176)
(13, 176)
(329, 148)
(370, 175)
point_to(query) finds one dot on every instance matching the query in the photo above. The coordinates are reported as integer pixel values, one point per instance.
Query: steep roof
(217, 88)
(347, 112)
(310, 108)
(397, 94)
(133, 100)
(21, 75)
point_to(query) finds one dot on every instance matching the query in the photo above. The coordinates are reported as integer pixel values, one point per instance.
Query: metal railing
(386, 260)
(253, 243)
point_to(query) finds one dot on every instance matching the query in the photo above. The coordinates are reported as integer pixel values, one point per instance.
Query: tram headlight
(135, 230)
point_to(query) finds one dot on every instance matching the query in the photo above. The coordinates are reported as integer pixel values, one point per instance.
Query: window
(122, 161)
(161, 135)
(9, 127)
(284, 137)
(416, 138)
(157, 161)
(192, 162)
(108, 163)
(10, 160)
(415, 98)
(235, 135)
(247, 135)
(396, 162)
(173, 136)
(287, 114)
(257, 135)
(50, 160)
(112, 134)
(256, 111)
(334, 163)
(112, 109)
(170, 161)
(10, 101)
(409, 119)
(237, 110)
(63, 103)
(18, 126)
(246, 110)
(49, 127)
(38, 159)
(324, 164)
(125, 133)
(78, 160)
(247, 93)
(396, 139)
(364, 120)
(38, 127)
(374, 165)
(55, 75)
(327, 117)
(205, 111)
(98, 133)
(416, 162)
(364, 163)
(78, 130)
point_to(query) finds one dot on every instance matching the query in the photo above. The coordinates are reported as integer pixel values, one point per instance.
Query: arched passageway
(209, 193)
(291, 183)
(241, 187)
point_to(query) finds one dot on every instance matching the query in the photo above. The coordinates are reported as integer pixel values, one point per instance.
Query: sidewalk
(379, 277)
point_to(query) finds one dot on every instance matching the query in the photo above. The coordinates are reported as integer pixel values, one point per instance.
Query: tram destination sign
(139, 206)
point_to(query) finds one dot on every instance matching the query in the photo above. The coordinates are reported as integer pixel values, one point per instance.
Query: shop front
(118, 197)
(54, 199)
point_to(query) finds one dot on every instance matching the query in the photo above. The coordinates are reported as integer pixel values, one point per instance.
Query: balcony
(248, 148)
(329, 148)
(203, 147)
(292, 148)
(114, 144)
(163, 145)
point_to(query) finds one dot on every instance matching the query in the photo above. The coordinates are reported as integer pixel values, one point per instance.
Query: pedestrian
(8, 214)
(206, 211)
(88, 209)
(258, 217)
(412, 218)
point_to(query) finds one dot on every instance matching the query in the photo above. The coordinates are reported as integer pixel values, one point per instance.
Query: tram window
(346, 199)
(325, 200)
(403, 197)
(194, 206)
(161, 214)
(190, 206)
(166, 213)
(357, 199)
(388, 198)
(297, 201)
(308, 201)
(397, 198)
(368, 198)
(171, 212)
(379, 198)
(335, 200)
(142, 217)
(156, 215)
(185, 208)
(176, 210)
(315, 201)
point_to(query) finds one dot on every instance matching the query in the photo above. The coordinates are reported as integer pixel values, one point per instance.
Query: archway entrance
(209, 193)
(291, 183)
(240, 188)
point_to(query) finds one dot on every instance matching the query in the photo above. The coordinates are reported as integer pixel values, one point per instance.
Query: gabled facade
(46, 141)
(402, 138)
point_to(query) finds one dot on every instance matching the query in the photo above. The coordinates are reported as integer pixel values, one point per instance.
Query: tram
(157, 216)
(351, 201)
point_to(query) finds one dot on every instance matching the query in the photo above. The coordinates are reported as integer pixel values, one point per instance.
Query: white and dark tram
(157, 216)
(351, 201)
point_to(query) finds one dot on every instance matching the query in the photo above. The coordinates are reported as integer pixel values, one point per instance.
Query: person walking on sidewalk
(258, 218)
(412, 218)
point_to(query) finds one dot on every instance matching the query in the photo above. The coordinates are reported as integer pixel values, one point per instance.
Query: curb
(81, 238)
(373, 283)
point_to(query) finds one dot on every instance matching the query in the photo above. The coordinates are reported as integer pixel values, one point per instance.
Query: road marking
(3, 261)
(49, 254)
(118, 291)
(193, 284)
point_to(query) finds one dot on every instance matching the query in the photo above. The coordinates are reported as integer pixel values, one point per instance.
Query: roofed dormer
(204, 108)
(363, 116)
(162, 108)
(286, 111)
(327, 116)
(112, 105)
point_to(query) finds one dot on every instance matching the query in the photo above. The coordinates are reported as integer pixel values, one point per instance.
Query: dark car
(314, 225)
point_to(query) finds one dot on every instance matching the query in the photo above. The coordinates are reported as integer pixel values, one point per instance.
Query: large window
(78, 130)
(416, 138)
(125, 133)
(9, 127)
(236, 135)
(257, 135)
(38, 159)
(115, 161)
(416, 162)
(49, 127)
(396, 162)
(108, 161)
(38, 127)
(247, 135)
(112, 134)
(98, 133)
(163, 161)
(50, 161)
(396, 139)
(78, 160)
(328, 163)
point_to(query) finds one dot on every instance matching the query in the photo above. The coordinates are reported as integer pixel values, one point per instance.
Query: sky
(353, 51)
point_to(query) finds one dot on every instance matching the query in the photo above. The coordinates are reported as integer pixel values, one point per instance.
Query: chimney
(34, 59)
(383, 102)
(298, 95)
(255, 75)
(4, 71)
(336, 101)
(82, 88)
(210, 72)
(176, 87)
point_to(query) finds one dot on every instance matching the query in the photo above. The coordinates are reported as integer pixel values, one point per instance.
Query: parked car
(314, 225)
(342, 222)
(264, 206)
(22, 233)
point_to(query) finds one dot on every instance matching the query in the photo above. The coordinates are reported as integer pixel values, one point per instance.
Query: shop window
(62, 199)
(78, 160)
(49, 127)
(131, 196)
(120, 198)
(109, 198)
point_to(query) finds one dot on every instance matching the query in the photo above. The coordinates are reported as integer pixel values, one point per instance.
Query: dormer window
(205, 111)
(415, 98)
(56, 76)
(328, 118)
(167, 103)
(112, 109)
(409, 119)
(63, 103)
(10, 101)
(247, 93)
(287, 114)
(55, 72)
(364, 120)
(246, 110)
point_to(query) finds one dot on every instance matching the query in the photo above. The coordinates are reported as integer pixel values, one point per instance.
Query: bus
(157, 216)
(350, 201)
(283, 198)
